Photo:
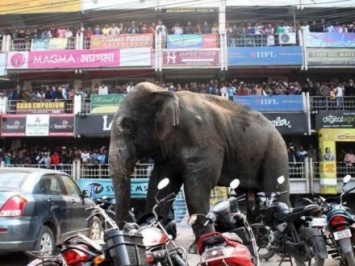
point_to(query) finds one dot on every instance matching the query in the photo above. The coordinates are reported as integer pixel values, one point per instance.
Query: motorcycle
(287, 231)
(233, 242)
(337, 224)
(133, 245)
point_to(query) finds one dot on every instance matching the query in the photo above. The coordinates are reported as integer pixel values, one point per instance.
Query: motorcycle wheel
(316, 244)
(349, 258)
(262, 241)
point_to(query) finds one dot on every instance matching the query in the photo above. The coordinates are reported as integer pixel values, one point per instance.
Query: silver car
(40, 207)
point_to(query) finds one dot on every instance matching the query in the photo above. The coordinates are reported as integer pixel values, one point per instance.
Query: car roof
(30, 170)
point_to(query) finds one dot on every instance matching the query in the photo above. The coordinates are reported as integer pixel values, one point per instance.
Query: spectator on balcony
(133, 29)
(206, 28)
(302, 154)
(161, 28)
(338, 28)
(229, 28)
(55, 160)
(312, 153)
(350, 88)
(103, 89)
(269, 32)
(198, 29)
(122, 28)
(85, 156)
(339, 94)
(329, 28)
(35, 34)
(305, 27)
(151, 28)
(105, 30)
(177, 29)
(101, 157)
(287, 28)
(214, 28)
(45, 160)
(17, 93)
(250, 32)
(349, 158)
(69, 34)
(46, 34)
(189, 29)
(97, 30)
(259, 90)
(61, 32)
(144, 28)
(54, 31)
(232, 90)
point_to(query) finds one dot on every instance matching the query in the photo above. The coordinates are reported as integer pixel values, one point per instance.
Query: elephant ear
(167, 112)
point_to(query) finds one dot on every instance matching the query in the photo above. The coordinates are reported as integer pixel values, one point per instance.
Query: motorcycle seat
(233, 237)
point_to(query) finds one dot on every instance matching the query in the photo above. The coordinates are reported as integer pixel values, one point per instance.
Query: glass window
(12, 180)
(49, 184)
(70, 186)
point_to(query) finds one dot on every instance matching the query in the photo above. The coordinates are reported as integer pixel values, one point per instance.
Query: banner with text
(79, 58)
(331, 57)
(40, 107)
(39, 6)
(192, 41)
(121, 41)
(103, 104)
(191, 58)
(289, 123)
(2, 63)
(261, 56)
(60, 125)
(49, 44)
(94, 125)
(336, 39)
(335, 119)
(276, 103)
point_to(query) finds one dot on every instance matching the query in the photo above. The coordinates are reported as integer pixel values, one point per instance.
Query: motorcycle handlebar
(239, 198)
(168, 198)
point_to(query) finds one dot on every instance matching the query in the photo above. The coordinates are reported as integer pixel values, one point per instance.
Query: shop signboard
(191, 41)
(39, 6)
(2, 63)
(331, 57)
(176, 58)
(105, 104)
(121, 41)
(275, 103)
(94, 125)
(59, 125)
(40, 107)
(289, 123)
(335, 119)
(79, 58)
(261, 56)
(295, 3)
(333, 40)
(45, 44)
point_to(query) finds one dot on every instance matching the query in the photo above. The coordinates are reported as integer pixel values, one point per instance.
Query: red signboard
(60, 125)
(210, 41)
(183, 58)
(121, 41)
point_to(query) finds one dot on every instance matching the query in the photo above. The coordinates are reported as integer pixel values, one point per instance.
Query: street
(185, 238)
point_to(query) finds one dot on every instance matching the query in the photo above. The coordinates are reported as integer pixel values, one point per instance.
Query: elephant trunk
(121, 164)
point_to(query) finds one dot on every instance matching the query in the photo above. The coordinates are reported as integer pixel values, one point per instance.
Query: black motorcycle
(287, 231)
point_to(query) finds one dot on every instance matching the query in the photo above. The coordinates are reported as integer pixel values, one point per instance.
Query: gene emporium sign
(40, 107)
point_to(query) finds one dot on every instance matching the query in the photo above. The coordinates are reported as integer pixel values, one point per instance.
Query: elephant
(196, 140)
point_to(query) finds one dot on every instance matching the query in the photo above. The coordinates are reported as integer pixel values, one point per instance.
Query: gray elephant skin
(198, 140)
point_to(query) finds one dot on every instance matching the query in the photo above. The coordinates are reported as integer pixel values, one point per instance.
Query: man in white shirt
(85, 156)
(103, 89)
(130, 87)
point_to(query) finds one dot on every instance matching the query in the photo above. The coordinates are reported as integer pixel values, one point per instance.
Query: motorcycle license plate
(342, 234)
(319, 222)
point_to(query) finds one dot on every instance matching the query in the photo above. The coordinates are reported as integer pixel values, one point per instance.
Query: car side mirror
(86, 194)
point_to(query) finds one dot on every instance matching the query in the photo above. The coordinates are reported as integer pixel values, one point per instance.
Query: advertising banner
(289, 123)
(192, 41)
(189, 58)
(260, 56)
(289, 3)
(40, 107)
(94, 125)
(98, 5)
(136, 57)
(121, 41)
(331, 57)
(39, 6)
(60, 125)
(276, 103)
(336, 39)
(102, 104)
(2, 63)
(335, 119)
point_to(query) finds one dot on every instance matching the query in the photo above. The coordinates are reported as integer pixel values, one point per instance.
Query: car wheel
(45, 242)
(95, 228)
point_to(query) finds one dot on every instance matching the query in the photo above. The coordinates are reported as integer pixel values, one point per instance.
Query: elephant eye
(127, 124)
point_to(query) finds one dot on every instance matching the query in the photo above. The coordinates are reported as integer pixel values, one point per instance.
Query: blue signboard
(185, 41)
(261, 56)
(103, 187)
(277, 103)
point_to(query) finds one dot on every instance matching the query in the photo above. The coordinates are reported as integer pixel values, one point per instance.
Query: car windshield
(11, 180)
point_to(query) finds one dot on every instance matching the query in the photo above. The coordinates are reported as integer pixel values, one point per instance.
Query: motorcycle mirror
(280, 180)
(234, 184)
(346, 179)
(163, 183)
(192, 219)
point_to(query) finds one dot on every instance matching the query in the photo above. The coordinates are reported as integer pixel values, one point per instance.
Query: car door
(77, 202)
(53, 202)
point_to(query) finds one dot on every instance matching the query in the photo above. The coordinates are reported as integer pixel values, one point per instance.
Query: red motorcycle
(234, 242)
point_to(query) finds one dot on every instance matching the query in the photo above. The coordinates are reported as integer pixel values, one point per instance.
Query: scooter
(233, 243)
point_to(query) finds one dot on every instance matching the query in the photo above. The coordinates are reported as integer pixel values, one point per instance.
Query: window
(70, 186)
(49, 185)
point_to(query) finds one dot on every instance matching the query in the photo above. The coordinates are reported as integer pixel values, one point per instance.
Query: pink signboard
(183, 58)
(64, 59)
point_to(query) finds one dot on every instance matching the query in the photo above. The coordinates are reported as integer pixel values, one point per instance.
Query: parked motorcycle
(287, 230)
(336, 224)
(233, 243)
(134, 245)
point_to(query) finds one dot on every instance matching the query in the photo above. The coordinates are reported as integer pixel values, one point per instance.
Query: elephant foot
(193, 248)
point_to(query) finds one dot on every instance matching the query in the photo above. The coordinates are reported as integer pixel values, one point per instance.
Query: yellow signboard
(39, 6)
